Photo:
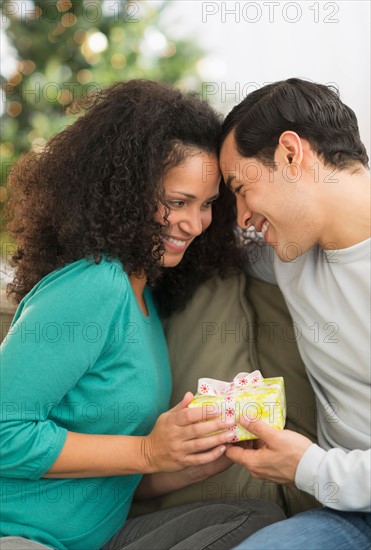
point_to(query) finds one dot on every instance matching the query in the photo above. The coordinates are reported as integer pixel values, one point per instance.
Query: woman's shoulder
(81, 293)
(83, 280)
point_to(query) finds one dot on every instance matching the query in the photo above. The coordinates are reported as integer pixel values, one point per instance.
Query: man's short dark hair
(314, 111)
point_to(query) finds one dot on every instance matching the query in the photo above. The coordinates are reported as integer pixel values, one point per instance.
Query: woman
(111, 201)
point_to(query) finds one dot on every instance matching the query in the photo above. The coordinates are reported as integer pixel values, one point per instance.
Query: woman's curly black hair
(95, 188)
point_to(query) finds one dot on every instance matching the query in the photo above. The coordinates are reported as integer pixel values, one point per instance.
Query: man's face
(271, 199)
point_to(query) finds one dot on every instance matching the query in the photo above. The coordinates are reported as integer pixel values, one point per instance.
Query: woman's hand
(180, 439)
(173, 444)
(201, 472)
(160, 483)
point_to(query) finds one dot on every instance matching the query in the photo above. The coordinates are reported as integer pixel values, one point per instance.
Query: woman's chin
(171, 260)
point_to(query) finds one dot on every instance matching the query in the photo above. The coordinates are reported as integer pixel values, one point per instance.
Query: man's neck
(346, 209)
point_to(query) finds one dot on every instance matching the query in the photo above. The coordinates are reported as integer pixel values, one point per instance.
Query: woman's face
(190, 190)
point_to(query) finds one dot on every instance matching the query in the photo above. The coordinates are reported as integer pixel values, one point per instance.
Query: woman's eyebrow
(193, 197)
(184, 194)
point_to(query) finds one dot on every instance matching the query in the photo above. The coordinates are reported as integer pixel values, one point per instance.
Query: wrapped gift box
(248, 395)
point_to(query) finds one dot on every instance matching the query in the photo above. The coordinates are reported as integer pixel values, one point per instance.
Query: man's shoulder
(260, 258)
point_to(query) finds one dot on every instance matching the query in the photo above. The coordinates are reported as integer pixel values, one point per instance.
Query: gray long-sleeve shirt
(328, 295)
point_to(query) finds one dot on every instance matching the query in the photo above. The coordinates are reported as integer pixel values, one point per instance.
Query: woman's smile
(176, 244)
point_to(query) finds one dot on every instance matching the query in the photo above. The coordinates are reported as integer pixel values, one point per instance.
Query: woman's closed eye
(181, 203)
(208, 204)
(176, 203)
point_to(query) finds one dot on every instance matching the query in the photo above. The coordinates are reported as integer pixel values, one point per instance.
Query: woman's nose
(192, 224)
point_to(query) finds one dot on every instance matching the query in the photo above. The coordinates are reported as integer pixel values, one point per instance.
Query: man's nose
(244, 215)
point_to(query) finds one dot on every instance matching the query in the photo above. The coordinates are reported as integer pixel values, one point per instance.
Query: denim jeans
(319, 529)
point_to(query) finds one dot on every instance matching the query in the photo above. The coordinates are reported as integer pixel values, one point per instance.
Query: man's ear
(290, 148)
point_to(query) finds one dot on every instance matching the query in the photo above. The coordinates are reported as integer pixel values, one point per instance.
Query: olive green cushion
(231, 326)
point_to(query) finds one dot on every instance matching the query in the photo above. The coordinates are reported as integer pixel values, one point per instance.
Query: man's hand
(276, 454)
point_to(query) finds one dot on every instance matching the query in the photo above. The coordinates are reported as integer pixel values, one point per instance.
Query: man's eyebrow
(229, 181)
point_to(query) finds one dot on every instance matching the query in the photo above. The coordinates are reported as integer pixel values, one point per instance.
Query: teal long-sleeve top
(80, 356)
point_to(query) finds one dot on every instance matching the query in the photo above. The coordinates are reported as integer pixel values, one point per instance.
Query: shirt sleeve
(50, 346)
(338, 479)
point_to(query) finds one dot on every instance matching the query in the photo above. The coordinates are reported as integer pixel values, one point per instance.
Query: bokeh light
(97, 42)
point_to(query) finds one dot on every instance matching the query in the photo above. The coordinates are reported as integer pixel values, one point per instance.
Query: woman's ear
(290, 148)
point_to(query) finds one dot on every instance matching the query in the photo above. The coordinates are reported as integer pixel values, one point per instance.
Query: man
(292, 155)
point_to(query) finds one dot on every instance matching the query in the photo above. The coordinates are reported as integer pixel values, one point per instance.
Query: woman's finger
(202, 444)
(192, 415)
(204, 429)
(197, 459)
(188, 396)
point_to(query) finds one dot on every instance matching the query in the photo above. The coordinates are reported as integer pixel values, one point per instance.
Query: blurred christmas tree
(68, 49)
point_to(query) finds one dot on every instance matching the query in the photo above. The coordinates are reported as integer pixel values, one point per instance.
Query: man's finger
(257, 427)
(238, 454)
(246, 444)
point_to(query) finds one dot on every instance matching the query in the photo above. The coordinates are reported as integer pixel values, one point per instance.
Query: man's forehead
(230, 160)
(229, 145)
(229, 154)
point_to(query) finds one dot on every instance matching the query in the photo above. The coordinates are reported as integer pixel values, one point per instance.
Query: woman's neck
(138, 284)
